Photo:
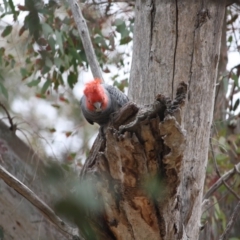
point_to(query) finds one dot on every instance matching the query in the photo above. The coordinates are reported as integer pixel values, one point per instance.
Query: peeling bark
(137, 171)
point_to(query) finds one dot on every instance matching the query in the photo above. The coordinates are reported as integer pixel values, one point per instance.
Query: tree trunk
(179, 41)
(174, 41)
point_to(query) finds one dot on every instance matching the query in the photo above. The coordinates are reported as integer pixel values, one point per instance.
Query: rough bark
(137, 169)
(180, 41)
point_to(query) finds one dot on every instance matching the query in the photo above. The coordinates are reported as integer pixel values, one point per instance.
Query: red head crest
(94, 92)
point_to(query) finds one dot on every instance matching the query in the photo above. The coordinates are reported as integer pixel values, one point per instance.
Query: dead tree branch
(28, 194)
(225, 235)
(224, 177)
(86, 40)
(219, 175)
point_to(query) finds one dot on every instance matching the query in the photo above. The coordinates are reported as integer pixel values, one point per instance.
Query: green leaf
(235, 78)
(123, 30)
(59, 40)
(83, 56)
(3, 90)
(5, 5)
(74, 54)
(222, 158)
(230, 38)
(45, 69)
(72, 79)
(51, 130)
(32, 22)
(13, 9)
(118, 22)
(125, 33)
(238, 150)
(100, 40)
(47, 30)
(2, 51)
(46, 86)
(24, 72)
(55, 105)
(7, 31)
(58, 62)
(48, 63)
(120, 28)
(34, 83)
(217, 210)
(28, 60)
(125, 40)
(52, 43)
(12, 63)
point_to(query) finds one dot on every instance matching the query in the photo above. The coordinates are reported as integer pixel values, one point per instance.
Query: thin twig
(214, 203)
(10, 180)
(218, 173)
(219, 182)
(234, 33)
(12, 125)
(86, 40)
(230, 98)
(232, 220)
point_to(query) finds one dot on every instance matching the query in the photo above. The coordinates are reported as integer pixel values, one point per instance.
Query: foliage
(53, 45)
(43, 49)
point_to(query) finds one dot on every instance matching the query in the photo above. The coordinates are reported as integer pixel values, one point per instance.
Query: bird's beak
(98, 106)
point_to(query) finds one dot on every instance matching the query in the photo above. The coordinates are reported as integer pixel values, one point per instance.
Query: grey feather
(116, 99)
(116, 95)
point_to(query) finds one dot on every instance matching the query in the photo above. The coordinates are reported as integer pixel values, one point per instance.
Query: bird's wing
(116, 95)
